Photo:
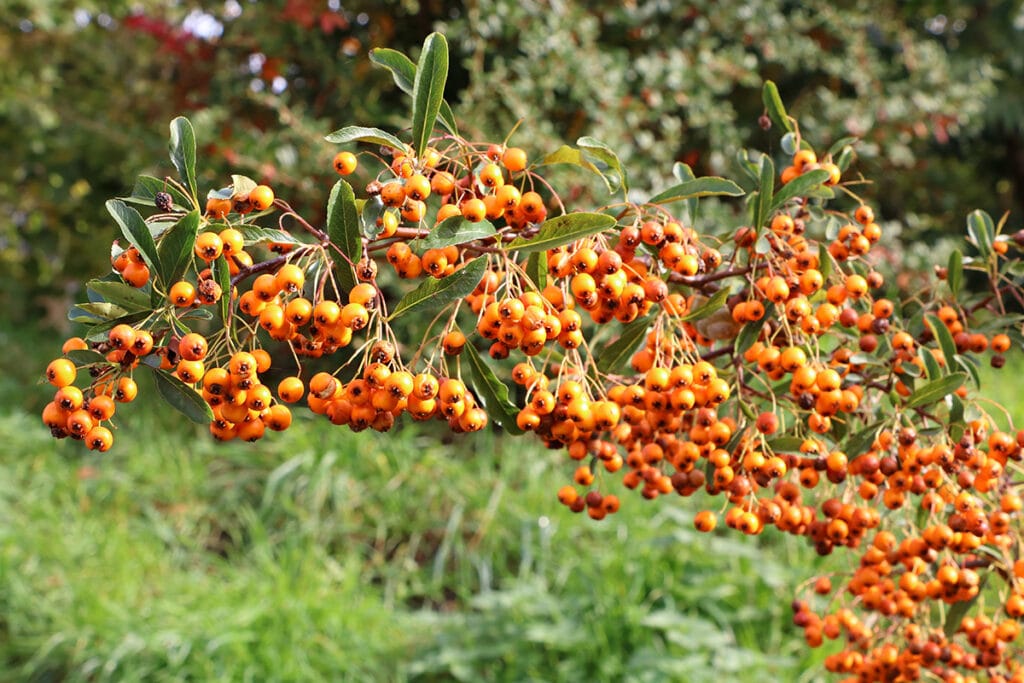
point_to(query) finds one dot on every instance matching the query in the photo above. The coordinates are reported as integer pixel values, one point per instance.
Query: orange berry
(345, 163)
(61, 372)
(514, 159)
(261, 197)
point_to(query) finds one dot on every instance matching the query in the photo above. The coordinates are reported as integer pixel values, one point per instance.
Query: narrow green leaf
(858, 444)
(254, 234)
(798, 187)
(824, 262)
(491, 391)
(102, 309)
(931, 366)
(183, 152)
(570, 155)
(945, 339)
(971, 367)
(403, 70)
(343, 229)
(699, 187)
(773, 105)
(595, 149)
(958, 610)
(785, 444)
(456, 230)
(981, 231)
(955, 272)
(222, 273)
(120, 294)
(146, 188)
(100, 331)
(763, 201)
(709, 307)
(684, 174)
(930, 392)
(176, 248)
(839, 144)
(81, 357)
(428, 89)
(134, 229)
(537, 269)
(747, 336)
(615, 356)
(438, 293)
(363, 134)
(564, 229)
(182, 397)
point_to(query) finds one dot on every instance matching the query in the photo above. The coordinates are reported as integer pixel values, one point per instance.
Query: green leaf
(134, 229)
(564, 229)
(146, 188)
(785, 444)
(183, 152)
(839, 144)
(859, 443)
(363, 134)
(100, 331)
(684, 174)
(343, 229)
(747, 336)
(118, 293)
(969, 364)
(981, 231)
(456, 230)
(438, 293)
(254, 234)
(241, 185)
(615, 175)
(615, 356)
(709, 307)
(788, 144)
(958, 610)
(428, 89)
(945, 339)
(699, 187)
(932, 367)
(930, 392)
(773, 105)
(537, 269)
(182, 397)
(491, 391)
(404, 72)
(222, 273)
(81, 357)
(102, 309)
(763, 201)
(824, 262)
(955, 272)
(176, 248)
(570, 155)
(799, 187)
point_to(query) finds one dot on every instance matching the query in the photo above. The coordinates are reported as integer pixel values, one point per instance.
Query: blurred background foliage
(933, 89)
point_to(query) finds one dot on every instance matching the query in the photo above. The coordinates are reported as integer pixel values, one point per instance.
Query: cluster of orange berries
(806, 160)
(380, 395)
(700, 408)
(243, 407)
(79, 413)
(259, 198)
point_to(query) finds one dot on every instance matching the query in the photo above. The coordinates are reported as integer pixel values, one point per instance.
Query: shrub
(763, 362)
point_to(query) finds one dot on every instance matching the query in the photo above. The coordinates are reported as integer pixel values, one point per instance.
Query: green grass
(323, 555)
